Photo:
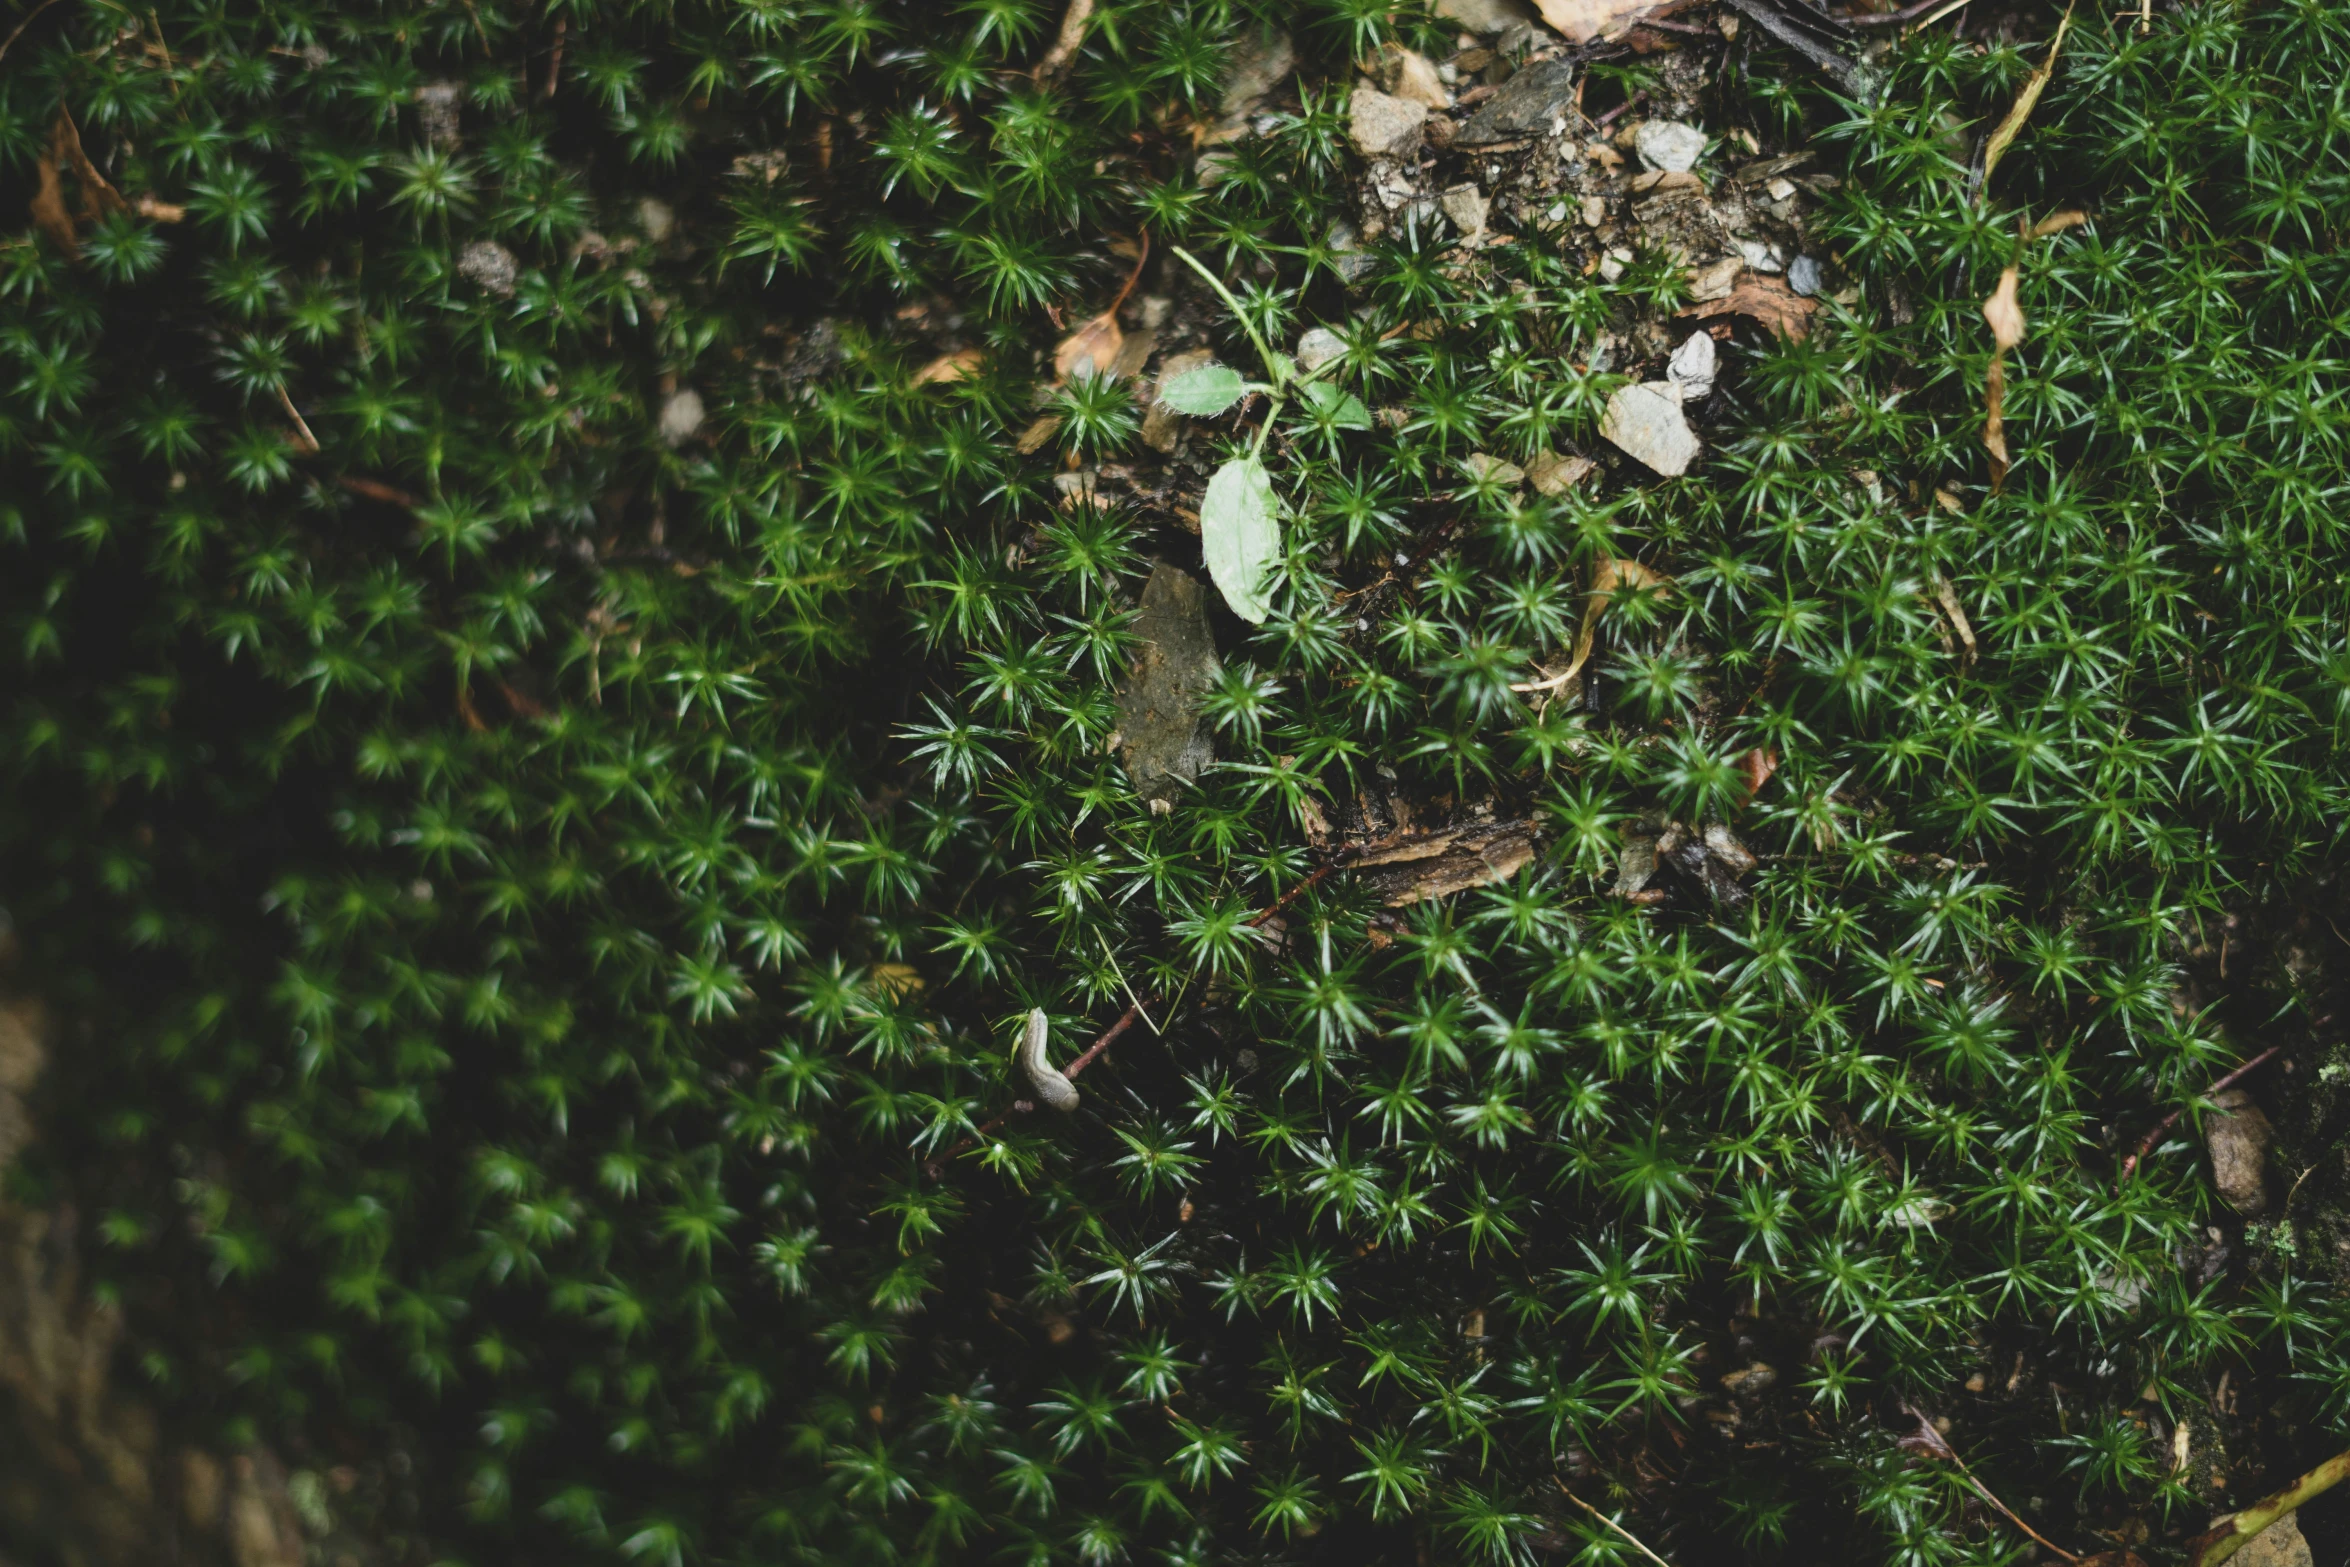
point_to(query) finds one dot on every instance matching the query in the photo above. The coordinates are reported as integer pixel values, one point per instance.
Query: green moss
(493, 854)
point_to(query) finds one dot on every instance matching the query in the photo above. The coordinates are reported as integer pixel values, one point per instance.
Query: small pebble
(1803, 276)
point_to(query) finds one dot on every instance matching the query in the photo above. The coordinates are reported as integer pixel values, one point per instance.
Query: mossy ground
(547, 899)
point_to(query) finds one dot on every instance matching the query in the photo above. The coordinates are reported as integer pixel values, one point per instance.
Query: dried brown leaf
(1581, 21)
(2058, 222)
(949, 368)
(1033, 438)
(1762, 299)
(1090, 350)
(1758, 765)
(2006, 318)
(48, 208)
(2004, 314)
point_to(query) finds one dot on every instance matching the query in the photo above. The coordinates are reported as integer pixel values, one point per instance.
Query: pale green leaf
(1205, 392)
(1240, 533)
(1342, 409)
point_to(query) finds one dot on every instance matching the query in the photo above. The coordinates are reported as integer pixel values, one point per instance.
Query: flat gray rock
(1525, 106)
(1164, 739)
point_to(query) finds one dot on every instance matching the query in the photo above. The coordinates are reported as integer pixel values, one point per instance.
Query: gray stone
(2281, 1544)
(1692, 368)
(1526, 105)
(1163, 737)
(1259, 63)
(681, 416)
(1803, 275)
(1385, 127)
(1318, 347)
(1354, 262)
(488, 266)
(1668, 145)
(1646, 422)
(1484, 17)
(2239, 1135)
(1467, 207)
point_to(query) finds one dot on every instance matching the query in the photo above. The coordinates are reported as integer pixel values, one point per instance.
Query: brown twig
(1074, 21)
(1930, 1442)
(1602, 123)
(18, 32)
(2146, 1143)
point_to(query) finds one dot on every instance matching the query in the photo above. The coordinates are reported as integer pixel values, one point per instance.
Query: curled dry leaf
(1947, 596)
(1611, 574)
(1765, 300)
(1033, 438)
(1757, 766)
(2007, 330)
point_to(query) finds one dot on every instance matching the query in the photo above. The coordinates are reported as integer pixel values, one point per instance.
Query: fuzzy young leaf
(1205, 392)
(1240, 533)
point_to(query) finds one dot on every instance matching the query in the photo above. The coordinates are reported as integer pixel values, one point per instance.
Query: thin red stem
(2146, 1143)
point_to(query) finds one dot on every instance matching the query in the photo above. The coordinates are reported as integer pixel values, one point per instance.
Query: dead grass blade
(2025, 101)
(1612, 573)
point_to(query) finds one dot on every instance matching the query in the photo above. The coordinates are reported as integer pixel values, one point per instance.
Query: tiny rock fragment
(1756, 1379)
(1162, 426)
(681, 416)
(1091, 350)
(1407, 73)
(1318, 347)
(490, 267)
(1594, 211)
(1466, 205)
(1780, 189)
(1715, 279)
(1354, 262)
(1668, 145)
(1723, 845)
(1635, 865)
(1385, 127)
(657, 218)
(1166, 739)
(1803, 275)
(1486, 18)
(1486, 467)
(1692, 367)
(1645, 421)
(1555, 475)
(1760, 256)
(1525, 106)
(1258, 64)
(2238, 1136)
